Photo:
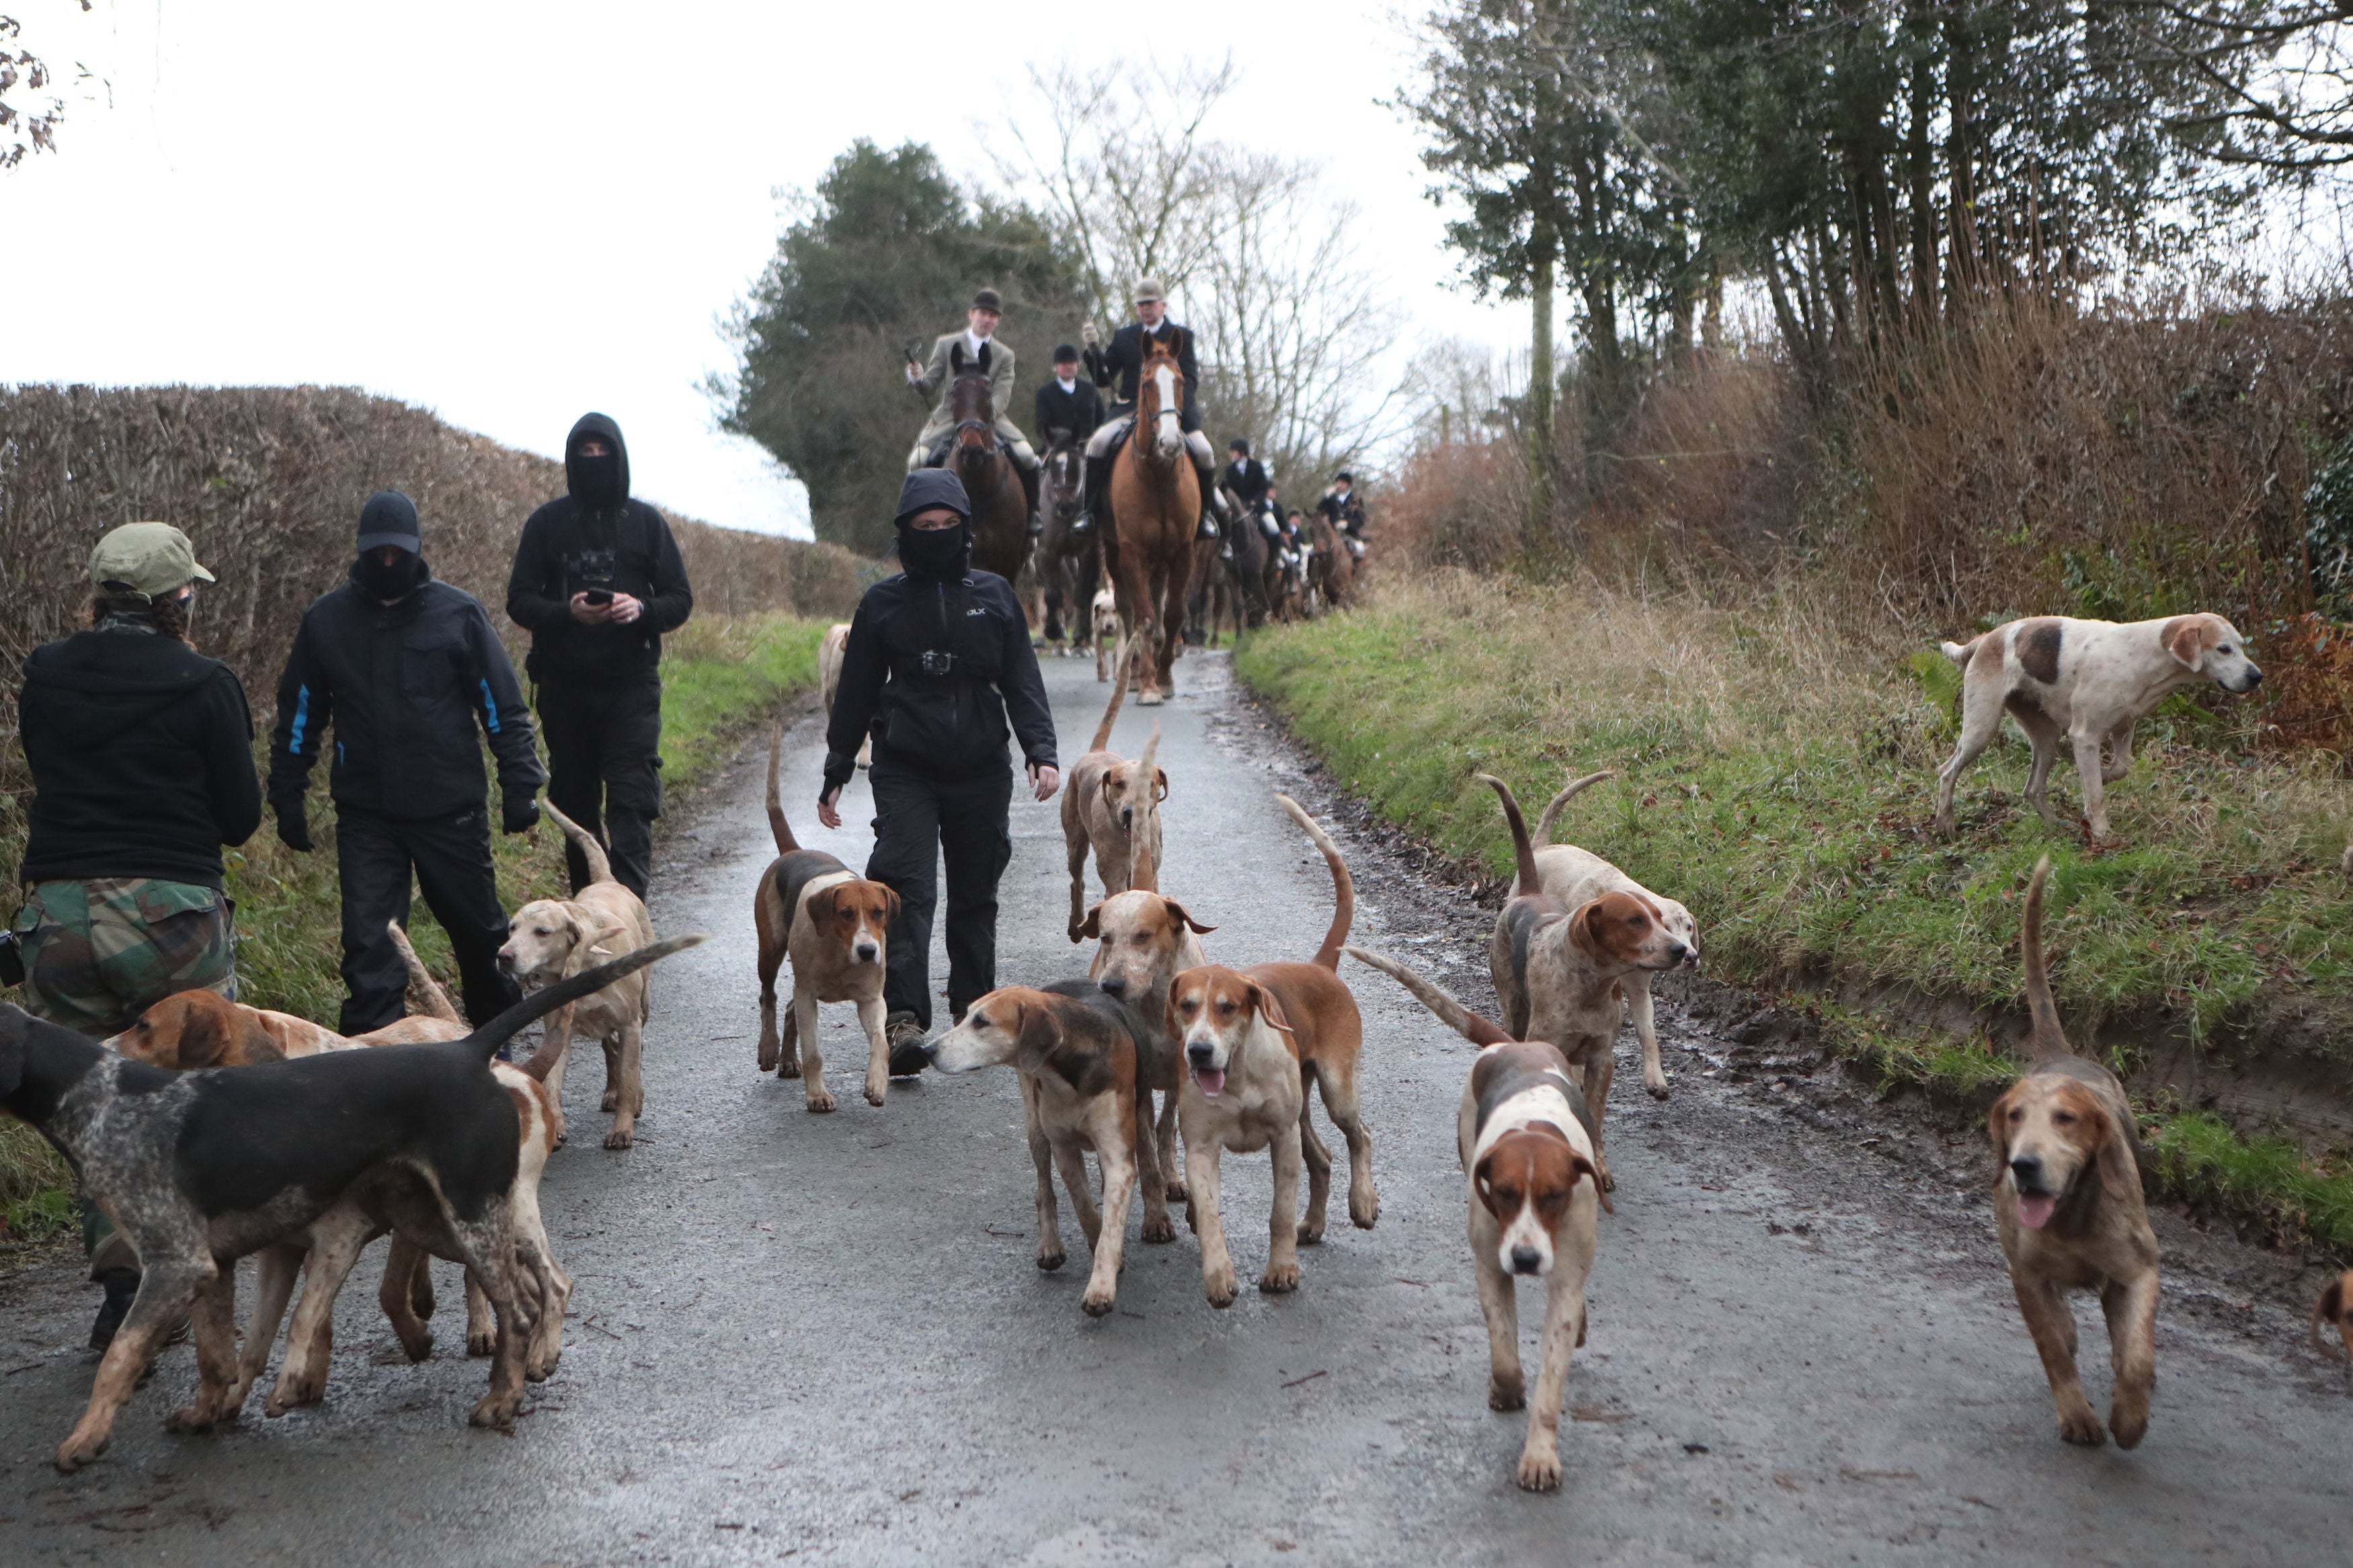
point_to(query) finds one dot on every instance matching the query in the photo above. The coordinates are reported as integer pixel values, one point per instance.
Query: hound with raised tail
(834, 925)
(1576, 875)
(1524, 1135)
(1559, 970)
(198, 1169)
(2089, 680)
(1086, 1060)
(1103, 798)
(2335, 1309)
(2067, 1202)
(549, 939)
(1252, 1038)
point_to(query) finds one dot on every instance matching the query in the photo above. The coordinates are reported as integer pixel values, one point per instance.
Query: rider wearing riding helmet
(1123, 364)
(1345, 511)
(1246, 477)
(978, 338)
(1068, 402)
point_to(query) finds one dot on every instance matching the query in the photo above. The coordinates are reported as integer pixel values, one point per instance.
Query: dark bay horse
(1155, 507)
(1066, 560)
(1000, 506)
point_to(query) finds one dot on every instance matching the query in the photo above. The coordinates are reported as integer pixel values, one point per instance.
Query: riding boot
(1029, 492)
(1099, 487)
(1214, 510)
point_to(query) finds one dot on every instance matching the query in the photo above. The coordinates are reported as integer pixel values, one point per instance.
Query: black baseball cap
(390, 518)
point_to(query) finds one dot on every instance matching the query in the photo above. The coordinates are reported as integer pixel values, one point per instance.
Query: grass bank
(719, 677)
(1779, 774)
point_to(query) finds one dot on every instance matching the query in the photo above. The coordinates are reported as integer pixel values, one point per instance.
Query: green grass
(719, 677)
(1778, 776)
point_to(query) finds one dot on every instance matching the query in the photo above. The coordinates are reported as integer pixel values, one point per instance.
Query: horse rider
(1123, 362)
(1344, 509)
(1066, 403)
(1245, 477)
(938, 378)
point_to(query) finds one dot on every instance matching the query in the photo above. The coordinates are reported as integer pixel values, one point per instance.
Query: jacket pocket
(431, 664)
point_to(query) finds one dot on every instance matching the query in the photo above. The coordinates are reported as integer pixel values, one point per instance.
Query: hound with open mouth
(2067, 1201)
(1526, 1139)
(1253, 1039)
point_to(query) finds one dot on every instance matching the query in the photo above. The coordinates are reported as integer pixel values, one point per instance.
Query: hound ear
(2185, 639)
(204, 1037)
(1091, 929)
(1160, 784)
(1271, 1010)
(2119, 1173)
(1998, 1130)
(890, 897)
(1037, 1035)
(1586, 1171)
(1177, 912)
(1587, 932)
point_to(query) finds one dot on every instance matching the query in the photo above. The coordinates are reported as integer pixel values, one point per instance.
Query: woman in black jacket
(938, 661)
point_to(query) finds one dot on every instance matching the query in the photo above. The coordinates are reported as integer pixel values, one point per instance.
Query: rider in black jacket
(939, 660)
(402, 668)
(597, 580)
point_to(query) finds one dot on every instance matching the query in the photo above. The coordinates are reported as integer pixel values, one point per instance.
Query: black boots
(122, 1286)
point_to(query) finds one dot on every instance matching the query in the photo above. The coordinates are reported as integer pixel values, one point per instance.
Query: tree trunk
(1540, 386)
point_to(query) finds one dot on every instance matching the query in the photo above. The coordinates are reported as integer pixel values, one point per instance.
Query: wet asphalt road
(822, 1339)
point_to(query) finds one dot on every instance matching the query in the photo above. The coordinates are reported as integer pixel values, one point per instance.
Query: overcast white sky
(510, 213)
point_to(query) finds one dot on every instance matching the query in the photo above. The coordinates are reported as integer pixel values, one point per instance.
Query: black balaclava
(938, 554)
(390, 518)
(602, 483)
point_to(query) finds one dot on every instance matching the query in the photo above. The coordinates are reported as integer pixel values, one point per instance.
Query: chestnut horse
(1155, 509)
(1000, 506)
(1065, 559)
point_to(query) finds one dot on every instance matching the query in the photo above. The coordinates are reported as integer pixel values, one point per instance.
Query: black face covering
(406, 574)
(596, 481)
(935, 554)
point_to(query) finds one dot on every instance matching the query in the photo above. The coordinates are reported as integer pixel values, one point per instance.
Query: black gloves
(293, 826)
(521, 812)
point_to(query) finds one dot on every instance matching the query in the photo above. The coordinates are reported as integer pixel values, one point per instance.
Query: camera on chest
(936, 662)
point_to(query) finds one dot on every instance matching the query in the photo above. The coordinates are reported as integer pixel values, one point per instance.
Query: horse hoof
(1150, 700)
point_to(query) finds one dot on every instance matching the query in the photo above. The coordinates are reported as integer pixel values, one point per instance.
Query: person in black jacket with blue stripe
(938, 663)
(400, 669)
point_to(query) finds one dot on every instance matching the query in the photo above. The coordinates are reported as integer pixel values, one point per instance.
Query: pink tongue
(2035, 1213)
(1212, 1081)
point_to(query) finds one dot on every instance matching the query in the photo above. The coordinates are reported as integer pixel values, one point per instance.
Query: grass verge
(1778, 776)
(719, 676)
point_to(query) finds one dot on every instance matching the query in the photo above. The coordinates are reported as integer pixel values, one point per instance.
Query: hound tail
(1569, 791)
(1344, 887)
(2048, 1039)
(1122, 667)
(1451, 1013)
(2330, 1310)
(1958, 652)
(1526, 882)
(1144, 838)
(600, 870)
(421, 983)
(485, 1041)
(778, 828)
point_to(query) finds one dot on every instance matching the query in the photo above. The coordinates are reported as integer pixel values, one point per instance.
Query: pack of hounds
(210, 1131)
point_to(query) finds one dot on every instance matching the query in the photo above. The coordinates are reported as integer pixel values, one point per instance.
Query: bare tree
(29, 107)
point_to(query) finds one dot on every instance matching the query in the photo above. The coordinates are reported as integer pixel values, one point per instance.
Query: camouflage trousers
(99, 952)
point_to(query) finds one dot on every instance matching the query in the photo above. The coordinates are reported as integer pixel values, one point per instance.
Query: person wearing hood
(401, 670)
(938, 663)
(597, 580)
(140, 750)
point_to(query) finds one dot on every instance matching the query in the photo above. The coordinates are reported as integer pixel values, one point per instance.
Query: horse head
(1160, 399)
(1064, 483)
(971, 403)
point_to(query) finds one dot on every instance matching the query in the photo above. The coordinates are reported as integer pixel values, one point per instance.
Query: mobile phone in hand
(598, 595)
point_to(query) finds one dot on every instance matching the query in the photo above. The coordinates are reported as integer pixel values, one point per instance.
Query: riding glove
(294, 827)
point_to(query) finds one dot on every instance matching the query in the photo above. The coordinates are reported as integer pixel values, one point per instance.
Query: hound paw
(2128, 1428)
(620, 1138)
(1608, 1181)
(2083, 1429)
(1658, 1091)
(876, 1093)
(1364, 1213)
(820, 1099)
(497, 1412)
(195, 1418)
(611, 1103)
(1177, 1192)
(539, 1369)
(1050, 1261)
(1502, 1395)
(790, 1066)
(75, 1453)
(1159, 1229)
(1311, 1233)
(1539, 1472)
(1097, 1303)
(768, 1054)
(1280, 1279)
(481, 1343)
(416, 1348)
(1220, 1286)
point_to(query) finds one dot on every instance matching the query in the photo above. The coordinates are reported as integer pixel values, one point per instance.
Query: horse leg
(1172, 635)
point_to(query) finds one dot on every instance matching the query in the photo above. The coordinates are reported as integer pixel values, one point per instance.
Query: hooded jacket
(579, 542)
(402, 687)
(142, 752)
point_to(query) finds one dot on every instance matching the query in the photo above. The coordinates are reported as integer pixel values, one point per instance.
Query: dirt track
(822, 1339)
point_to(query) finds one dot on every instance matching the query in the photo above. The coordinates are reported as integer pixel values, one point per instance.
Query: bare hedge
(268, 482)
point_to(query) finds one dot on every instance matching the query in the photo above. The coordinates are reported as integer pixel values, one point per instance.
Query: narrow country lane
(822, 1339)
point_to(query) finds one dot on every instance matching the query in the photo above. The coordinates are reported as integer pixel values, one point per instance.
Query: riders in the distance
(982, 348)
(1344, 509)
(1118, 367)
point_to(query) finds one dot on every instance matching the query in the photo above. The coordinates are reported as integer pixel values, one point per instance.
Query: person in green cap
(142, 755)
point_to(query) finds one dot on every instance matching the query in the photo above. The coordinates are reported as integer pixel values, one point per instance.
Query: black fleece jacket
(949, 725)
(596, 537)
(142, 752)
(403, 687)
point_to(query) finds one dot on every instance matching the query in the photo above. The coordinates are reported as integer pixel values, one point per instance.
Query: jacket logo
(976, 610)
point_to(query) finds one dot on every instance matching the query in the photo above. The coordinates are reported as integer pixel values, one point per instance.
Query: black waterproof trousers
(451, 859)
(919, 821)
(604, 769)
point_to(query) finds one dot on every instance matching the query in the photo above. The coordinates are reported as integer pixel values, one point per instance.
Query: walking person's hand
(294, 827)
(592, 615)
(1045, 781)
(1089, 335)
(828, 807)
(625, 608)
(520, 813)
